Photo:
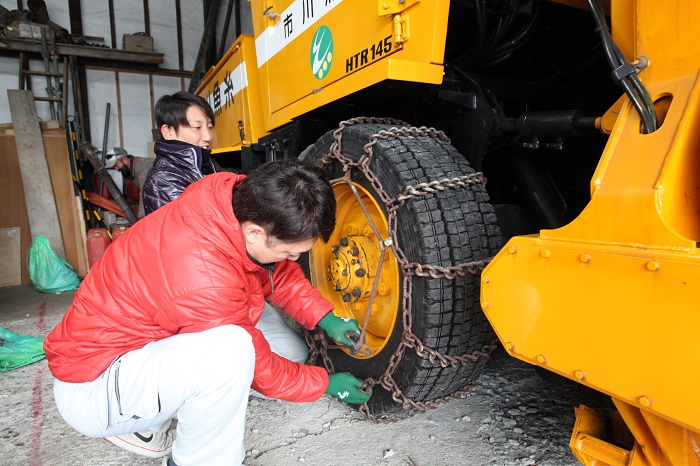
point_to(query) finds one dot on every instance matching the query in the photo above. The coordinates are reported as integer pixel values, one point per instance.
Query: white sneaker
(146, 443)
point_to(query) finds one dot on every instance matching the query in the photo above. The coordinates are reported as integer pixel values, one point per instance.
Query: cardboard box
(23, 29)
(138, 42)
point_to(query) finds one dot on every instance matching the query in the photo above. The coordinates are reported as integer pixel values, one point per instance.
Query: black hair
(292, 200)
(171, 110)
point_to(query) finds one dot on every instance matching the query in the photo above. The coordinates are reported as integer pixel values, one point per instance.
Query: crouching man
(165, 325)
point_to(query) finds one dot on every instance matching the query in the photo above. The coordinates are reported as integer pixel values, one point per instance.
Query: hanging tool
(89, 152)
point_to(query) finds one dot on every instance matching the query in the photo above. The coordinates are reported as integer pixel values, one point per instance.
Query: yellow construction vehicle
(580, 253)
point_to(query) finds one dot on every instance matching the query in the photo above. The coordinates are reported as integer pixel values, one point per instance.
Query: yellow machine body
(610, 300)
(232, 88)
(302, 58)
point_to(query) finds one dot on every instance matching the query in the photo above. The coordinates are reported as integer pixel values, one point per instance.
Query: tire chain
(410, 269)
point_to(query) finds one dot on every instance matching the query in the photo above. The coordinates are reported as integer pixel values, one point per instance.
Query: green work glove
(336, 328)
(345, 387)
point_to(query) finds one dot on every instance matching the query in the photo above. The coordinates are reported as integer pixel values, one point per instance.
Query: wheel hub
(345, 268)
(351, 270)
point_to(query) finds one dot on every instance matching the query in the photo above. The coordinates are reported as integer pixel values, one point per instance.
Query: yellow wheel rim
(345, 268)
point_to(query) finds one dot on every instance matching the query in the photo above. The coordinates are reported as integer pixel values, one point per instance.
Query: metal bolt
(360, 272)
(383, 288)
(653, 266)
(580, 375)
(335, 249)
(337, 287)
(367, 230)
(512, 250)
(585, 258)
(645, 401)
(545, 253)
(375, 310)
(347, 298)
(510, 346)
(357, 292)
(485, 305)
(345, 273)
(541, 359)
(355, 251)
(344, 241)
(486, 279)
(351, 229)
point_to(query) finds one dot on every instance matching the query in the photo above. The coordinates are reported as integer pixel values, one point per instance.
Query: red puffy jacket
(184, 268)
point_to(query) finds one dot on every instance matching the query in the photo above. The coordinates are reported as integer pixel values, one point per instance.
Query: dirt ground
(511, 417)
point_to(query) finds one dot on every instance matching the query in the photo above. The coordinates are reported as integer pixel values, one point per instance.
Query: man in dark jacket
(166, 323)
(185, 122)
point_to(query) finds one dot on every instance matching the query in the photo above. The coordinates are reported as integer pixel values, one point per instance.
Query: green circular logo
(321, 52)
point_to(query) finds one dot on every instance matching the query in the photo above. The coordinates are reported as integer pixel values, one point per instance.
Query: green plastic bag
(19, 350)
(48, 272)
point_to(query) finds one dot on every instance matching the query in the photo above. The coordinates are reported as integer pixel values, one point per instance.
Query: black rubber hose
(641, 91)
(631, 84)
(506, 49)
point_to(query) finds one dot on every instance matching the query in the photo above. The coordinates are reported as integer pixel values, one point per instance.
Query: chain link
(410, 269)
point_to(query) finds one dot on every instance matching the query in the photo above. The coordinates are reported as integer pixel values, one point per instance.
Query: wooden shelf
(84, 51)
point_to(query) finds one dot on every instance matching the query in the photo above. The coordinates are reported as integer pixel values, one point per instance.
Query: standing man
(165, 324)
(132, 168)
(185, 122)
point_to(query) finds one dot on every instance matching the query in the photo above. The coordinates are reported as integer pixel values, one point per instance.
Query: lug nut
(357, 292)
(360, 272)
(347, 298)
(344, 241)
(355, 251)
(337, 287)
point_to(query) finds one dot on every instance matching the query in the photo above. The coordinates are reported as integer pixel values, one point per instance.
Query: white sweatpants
(202, 378)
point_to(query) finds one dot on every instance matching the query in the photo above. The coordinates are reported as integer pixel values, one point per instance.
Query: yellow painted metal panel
(308, 47)
(644, 189)
(634, 420)
(233, 90)
(587, 442)
(665, 32)
(391, 69)
(621, 320)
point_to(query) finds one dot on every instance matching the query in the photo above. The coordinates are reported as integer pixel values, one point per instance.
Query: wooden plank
(38, 194)
(13, 210)
(10, 257)
(81, 234)
(57, 158)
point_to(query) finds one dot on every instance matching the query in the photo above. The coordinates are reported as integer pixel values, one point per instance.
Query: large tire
(448, 228)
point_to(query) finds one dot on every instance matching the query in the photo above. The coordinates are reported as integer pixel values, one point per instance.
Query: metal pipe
(104, 146)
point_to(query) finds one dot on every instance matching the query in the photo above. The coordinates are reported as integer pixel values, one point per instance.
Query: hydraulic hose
(629, 81)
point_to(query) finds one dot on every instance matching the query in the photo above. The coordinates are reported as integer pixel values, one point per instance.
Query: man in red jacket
(164, 325)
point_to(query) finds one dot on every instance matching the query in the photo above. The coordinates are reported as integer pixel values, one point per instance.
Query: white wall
(131, 94)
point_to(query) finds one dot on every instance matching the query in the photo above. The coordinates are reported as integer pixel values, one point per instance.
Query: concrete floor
(32, 431)
(476, 430)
